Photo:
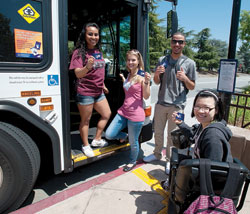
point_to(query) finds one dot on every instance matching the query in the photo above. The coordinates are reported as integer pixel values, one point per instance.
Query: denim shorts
(87, 100)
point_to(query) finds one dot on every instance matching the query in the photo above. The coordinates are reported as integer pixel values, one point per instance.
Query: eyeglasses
(177, 41)
(204, 109)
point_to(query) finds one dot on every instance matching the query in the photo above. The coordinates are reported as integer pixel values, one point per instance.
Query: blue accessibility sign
(53, 80)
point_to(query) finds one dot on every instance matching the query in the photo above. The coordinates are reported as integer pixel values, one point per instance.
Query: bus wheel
(19, 166)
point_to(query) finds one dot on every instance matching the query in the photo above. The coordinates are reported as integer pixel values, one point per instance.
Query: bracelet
(146, 83)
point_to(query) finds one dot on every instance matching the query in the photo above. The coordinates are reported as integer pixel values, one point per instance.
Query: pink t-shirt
(92, 83)
(132, 107)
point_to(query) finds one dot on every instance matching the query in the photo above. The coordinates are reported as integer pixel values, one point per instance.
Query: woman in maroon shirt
(89, 67)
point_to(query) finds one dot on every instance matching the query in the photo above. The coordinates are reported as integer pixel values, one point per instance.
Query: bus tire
(19, 166)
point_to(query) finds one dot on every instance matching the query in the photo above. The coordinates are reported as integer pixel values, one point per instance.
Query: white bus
(39, 118)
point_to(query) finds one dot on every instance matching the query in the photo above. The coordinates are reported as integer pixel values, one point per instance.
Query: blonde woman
(131, 113)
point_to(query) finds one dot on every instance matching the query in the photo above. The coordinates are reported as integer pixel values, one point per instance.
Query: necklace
(132, 76)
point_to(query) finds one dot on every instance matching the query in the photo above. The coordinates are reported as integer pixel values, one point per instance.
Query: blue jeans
(114, 132)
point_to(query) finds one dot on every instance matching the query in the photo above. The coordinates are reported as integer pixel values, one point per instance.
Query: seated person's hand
(176, 121)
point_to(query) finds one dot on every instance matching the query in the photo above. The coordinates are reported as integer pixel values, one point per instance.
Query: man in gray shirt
(176, 75)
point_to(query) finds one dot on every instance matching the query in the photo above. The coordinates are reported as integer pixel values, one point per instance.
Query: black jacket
(213, 142)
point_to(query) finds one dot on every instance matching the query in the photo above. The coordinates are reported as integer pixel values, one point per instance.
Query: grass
(239, 116)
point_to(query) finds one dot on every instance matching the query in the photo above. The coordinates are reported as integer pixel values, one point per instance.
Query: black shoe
(127, 168)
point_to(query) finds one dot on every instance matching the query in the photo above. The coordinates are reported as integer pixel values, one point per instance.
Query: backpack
(208, 202)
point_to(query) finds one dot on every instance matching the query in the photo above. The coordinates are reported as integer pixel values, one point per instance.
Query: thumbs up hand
(181, 75)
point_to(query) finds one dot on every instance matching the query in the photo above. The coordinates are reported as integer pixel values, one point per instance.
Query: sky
(199, 14)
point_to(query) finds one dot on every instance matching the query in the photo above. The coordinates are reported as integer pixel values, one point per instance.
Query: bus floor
(137, 191)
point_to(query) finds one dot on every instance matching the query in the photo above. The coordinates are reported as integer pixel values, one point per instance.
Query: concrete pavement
(135, 192)
(138, 191)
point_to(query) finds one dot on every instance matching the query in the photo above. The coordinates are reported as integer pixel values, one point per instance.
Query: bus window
(125, 26)
(108, 36)
(21, 34)
(109, 39)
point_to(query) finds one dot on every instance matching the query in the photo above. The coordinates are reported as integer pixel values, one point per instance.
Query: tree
(244, 55)
(189, 47)
(244, 35)
(158, 43)
(206, 56)
(221, 47)
(244, 29)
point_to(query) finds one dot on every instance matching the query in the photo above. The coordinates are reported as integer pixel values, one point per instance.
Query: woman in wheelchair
(211, 141)
(211, 136)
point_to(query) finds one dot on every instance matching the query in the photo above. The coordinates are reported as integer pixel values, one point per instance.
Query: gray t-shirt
(173, 91)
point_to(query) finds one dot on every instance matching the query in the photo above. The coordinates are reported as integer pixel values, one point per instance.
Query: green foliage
(124, 41)
(236, 114)
(244, 55)
(244, 35)
(220, 47)
(157, 38)
(206, 56)
(244, 29)
(246, 90)
(70, 47)
(188, 49)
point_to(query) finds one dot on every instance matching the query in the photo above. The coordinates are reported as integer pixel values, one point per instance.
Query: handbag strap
(232, 182)
(206, 186)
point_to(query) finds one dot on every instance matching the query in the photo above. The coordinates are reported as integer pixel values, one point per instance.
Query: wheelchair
(184, 182)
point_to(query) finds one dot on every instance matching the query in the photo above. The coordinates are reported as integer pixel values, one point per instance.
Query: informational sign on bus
(28, 44)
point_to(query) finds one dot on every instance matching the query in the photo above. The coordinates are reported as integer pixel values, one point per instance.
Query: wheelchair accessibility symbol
(53, 80)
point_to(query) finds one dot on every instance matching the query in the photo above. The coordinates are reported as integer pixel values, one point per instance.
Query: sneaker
(165, 184)
(150, 158)
(167, 168)
(99, 143)
(87, 150)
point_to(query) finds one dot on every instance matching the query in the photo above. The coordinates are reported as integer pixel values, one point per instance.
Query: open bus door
(38, 115)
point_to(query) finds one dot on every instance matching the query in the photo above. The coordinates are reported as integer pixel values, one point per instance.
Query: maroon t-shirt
(92, 83)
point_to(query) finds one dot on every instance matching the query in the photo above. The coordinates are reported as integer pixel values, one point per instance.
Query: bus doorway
(118, 22)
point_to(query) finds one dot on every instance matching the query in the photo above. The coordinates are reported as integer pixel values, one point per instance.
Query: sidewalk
(138, 191)
(135, 192)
